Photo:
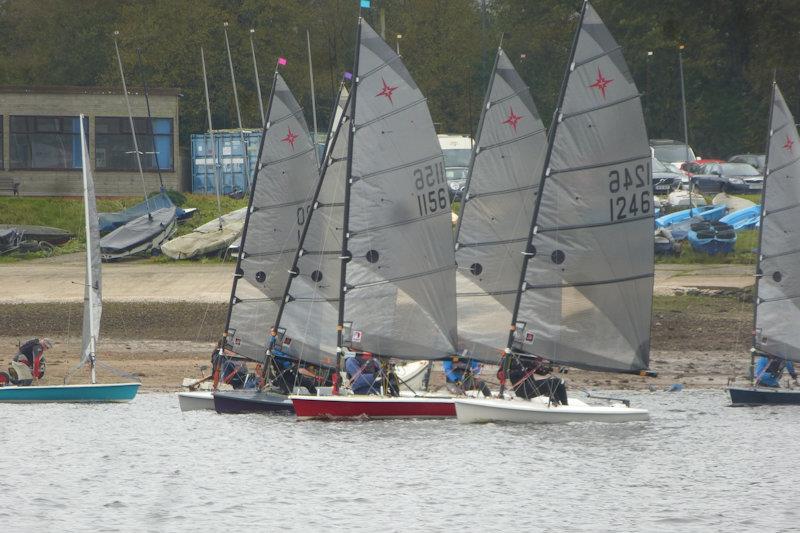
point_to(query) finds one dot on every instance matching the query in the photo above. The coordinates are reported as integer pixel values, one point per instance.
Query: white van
(457, 150)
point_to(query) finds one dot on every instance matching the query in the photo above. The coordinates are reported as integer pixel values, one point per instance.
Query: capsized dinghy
(775, 331)
(586, 282)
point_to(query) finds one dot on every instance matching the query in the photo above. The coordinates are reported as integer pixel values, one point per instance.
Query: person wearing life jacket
(289, 372)
(463, 374)
(31, 353)
(769, 369)
(522, 373)
(364, 373)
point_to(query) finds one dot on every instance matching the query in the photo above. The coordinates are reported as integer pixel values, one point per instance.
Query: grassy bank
(67, 213)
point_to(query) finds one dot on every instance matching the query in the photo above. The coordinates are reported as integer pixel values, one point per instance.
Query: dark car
(757, 161)
(456, 181)
(728, 177)
(664, 180)
(668, 151)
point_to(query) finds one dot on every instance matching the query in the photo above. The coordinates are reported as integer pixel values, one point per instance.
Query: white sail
(92, 294)
(778, 290)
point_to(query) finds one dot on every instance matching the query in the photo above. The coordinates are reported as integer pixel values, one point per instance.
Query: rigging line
(510, 141)
(598, 56)
(790, 163)
(592, 224)
(373, 229)
(599, 165)
(598, 108)
(402, 278)
(487, 194)
(397, 167)
(531, 286)
(390, 113)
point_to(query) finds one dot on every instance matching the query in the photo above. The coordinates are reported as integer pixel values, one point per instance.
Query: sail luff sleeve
(588, 288)
(497, 211)
(778, 288)
(400, 298)
(92, 296)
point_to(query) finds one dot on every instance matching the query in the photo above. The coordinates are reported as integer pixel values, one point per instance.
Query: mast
(685, 126)
(313, 97)
(211, 135)
(762, 216)
(545, 173)
(90, 279)
(294, 272)
(475, 142)
(345, 255)
(258, 83)
(237, 275)
(245, 154)
(149, 117)
(133, 128)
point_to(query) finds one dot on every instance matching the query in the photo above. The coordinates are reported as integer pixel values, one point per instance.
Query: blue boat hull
(251, 401)
(711, 246)
(762, 396)
(114, 392)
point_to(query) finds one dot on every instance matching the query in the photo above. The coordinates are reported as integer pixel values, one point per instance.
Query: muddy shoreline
(699, 339)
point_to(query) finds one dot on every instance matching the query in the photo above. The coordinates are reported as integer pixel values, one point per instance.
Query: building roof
(90, 90)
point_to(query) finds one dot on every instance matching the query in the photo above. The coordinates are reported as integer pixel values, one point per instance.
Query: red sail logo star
(512, 119)
(601, 83)
(290, 138)
(387, 91)
(789, 144)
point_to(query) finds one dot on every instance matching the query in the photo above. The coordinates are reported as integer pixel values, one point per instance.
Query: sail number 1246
(630, 192)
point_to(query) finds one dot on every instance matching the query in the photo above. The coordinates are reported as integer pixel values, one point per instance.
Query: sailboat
(776, 291)
(396, 290)
(92, 309)
(146, 232)
(584, 290)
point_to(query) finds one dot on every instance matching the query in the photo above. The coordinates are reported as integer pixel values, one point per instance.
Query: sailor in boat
(769, 369)
(364, 373)
(31, 354)
(290, 372)
(462, 374)
(522, 373)
(230, 370)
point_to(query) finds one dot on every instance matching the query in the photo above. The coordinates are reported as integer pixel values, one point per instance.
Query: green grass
(67, 213)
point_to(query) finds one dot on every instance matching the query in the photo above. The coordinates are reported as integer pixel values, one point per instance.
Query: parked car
(690, 168)
(664, 180)
(757, 161)
(668, 151)
(457, 150)
(728, 177)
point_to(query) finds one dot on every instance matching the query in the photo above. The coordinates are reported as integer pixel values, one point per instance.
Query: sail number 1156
(431, 186)
(631, 192)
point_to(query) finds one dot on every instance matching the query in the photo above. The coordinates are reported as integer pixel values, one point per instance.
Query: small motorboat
(712, 238)
(541, 411)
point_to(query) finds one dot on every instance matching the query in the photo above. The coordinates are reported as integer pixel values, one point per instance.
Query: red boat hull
(371, 407)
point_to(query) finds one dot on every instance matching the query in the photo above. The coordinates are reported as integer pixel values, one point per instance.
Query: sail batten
(279, 202)
(777, 309)
(496, 211)
(398, 293)
(589, 272)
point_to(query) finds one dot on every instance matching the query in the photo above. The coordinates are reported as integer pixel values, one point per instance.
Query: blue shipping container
(229, 157)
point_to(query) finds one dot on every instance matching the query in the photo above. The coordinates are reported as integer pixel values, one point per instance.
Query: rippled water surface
(697, 465)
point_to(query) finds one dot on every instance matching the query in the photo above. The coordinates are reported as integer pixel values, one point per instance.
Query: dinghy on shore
(211, 237)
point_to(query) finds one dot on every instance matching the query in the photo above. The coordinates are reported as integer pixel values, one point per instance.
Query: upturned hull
(97, 393)
(371, 407)
(196, 401)
(537, 411)
(763, 396)
(250, 401)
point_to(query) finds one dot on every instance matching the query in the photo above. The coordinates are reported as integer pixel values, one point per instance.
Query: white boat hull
(537, 411)
(196, 401)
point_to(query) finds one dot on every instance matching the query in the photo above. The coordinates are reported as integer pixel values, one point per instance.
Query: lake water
(697, 465)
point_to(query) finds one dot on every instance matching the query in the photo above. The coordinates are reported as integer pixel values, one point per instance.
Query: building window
(45, 143)
(113, 143)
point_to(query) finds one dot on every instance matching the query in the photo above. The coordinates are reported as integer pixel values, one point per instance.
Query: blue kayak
(747, 218)
(706, 212)
(712, 237)
(113, 392)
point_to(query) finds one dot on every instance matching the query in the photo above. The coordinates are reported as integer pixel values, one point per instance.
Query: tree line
(732, 48)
